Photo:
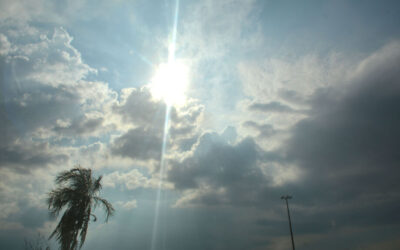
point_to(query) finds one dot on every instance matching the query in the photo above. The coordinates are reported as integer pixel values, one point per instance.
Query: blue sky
(282, 97)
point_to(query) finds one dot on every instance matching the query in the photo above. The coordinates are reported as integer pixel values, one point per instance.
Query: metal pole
(290, 222)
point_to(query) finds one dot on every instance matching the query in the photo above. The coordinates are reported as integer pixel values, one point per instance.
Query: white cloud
(292, 80)
(5, 45)
(278, 91)
(128, 205)
(48, 112)
(129, 180)
(7, 209)
(50, 98)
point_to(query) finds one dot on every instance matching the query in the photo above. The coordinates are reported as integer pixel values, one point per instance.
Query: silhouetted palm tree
(77, 192)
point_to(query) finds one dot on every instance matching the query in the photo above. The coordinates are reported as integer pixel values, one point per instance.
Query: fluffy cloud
(218, 172)
(139, 144)
(145, 119)
(138, 107)
(129, 180)
(23, 156)
(346, 151)
(321, 128)
(47, 97)
(348, 143)
(264, 130)
(292, 80)
(339, 162)
(278, 89)
(47, 107)
(128, 205)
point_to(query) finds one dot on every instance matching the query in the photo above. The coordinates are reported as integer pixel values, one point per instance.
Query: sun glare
(169, 83)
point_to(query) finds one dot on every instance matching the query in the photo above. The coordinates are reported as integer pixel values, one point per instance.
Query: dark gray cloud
(350, 138)
(27, 156)
(137, 106)
(144, 142)
(346, 150)
(31, 217)
(264, 130)
(79, 126)
(16, 151)
(139, 143)
(44, 106)
(183, 130)
(272, 107)
(222, 173)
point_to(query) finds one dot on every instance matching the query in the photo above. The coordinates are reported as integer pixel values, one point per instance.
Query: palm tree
(77, 192)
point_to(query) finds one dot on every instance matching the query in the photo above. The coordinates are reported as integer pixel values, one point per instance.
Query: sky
(200, 115)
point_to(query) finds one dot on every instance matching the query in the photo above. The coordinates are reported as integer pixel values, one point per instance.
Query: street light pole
(288, 213)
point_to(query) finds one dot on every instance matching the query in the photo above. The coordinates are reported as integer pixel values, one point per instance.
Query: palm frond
(68, 175)
(59, 198)
(97, 184)
(76, 193)
(106, 205)
(94, 217)
(85, 227)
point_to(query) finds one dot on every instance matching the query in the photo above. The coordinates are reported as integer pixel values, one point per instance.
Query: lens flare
(170, 83)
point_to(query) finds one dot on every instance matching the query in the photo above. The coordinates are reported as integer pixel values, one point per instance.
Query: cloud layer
(265, 117)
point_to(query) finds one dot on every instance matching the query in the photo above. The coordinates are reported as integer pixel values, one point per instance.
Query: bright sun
(169, 83)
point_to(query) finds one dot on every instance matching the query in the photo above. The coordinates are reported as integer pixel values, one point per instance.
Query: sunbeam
(161, 175)
(171, 61)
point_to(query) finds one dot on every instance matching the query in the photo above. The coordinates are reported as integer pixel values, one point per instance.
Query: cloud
(23, 194)
(138, 107)
(264, 130)
(353, 134)
(275, 107)
(139, 144)
(145, 120)
(46, 97)
(8, 208)
(128, 205)
(339, 162)
(129, 180)
(292, 80)
(79, 126)
(24, 157)
(346, 149)
(212, 37)
(5, 45)
(219, 173)
(206, 35)
(278, 90)
(339, 159)
(48, 110)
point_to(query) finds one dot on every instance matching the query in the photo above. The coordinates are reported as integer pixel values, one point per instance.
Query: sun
(170, 83)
